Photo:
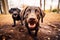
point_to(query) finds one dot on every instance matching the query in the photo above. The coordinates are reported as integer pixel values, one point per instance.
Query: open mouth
(15, 15)
(32, 24)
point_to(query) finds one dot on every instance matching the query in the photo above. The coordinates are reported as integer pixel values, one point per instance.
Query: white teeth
(31, 26)
(15, 16)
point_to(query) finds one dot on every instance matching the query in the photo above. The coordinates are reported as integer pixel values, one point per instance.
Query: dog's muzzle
(15, 15)
(32, 21)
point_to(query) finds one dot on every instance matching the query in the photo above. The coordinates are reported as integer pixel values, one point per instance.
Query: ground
(48, 30)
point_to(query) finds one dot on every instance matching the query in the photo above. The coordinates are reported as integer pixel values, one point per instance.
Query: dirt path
(50, 28)
(49, 18)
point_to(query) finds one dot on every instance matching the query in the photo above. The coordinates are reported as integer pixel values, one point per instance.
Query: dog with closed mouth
(31, 17)
(15, 15)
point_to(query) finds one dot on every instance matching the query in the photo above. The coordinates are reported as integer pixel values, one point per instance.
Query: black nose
(32, 19)
(15, 14)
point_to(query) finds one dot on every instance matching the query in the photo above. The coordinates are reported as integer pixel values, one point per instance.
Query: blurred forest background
(46, 5)
(49, 29)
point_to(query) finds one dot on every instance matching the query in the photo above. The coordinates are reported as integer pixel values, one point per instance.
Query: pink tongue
(31, 25)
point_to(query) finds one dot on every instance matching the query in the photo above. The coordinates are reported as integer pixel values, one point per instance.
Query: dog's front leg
(14, 23)
(21, 21)
(36, 31)
(29, 31)
(35, 35)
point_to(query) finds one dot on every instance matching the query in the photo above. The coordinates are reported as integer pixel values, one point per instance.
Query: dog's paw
(13, 25)
(35, 38)
(21, 29)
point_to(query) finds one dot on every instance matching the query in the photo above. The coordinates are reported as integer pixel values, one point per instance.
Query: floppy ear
(23, 13)
(42, 14)
(18, 10)
(11, 11)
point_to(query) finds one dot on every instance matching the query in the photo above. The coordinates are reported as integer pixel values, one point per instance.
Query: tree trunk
(51, 6)
(58, 6)
(5, 6)
(40, 3)
(44, 5)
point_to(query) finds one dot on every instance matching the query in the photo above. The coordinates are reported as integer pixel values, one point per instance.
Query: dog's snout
(15, 14)
(32, 15)
(32, 18)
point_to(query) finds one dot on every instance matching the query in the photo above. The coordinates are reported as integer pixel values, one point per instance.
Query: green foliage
(54, 10)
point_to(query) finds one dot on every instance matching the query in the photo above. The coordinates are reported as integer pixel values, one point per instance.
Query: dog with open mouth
(15, 15)
(31, 17)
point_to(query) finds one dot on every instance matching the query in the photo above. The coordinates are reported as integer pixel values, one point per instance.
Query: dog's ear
(42, 14)
(11, 11)
(23, 13)
(18, 10)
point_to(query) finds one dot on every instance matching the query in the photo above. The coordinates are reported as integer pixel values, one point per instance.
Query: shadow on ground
(49, 30)
(20, 33)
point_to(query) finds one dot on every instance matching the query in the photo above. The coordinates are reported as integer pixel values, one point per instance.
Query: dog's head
(32, 15)
(14, 11)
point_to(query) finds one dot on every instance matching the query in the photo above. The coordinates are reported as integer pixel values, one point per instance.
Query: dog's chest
(17, 18)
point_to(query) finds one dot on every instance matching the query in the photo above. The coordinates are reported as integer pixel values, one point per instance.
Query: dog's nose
(32, 19)
(15, 14)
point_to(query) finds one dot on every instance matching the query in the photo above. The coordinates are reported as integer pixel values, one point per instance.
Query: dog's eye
(36, 10)
(29, 10)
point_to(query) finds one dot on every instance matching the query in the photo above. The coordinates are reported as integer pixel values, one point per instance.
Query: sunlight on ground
(46, 30)
(5, 19)
(49, 17)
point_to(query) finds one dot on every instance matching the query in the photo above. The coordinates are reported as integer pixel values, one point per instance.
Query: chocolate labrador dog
(15, 15)
(32, 15)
